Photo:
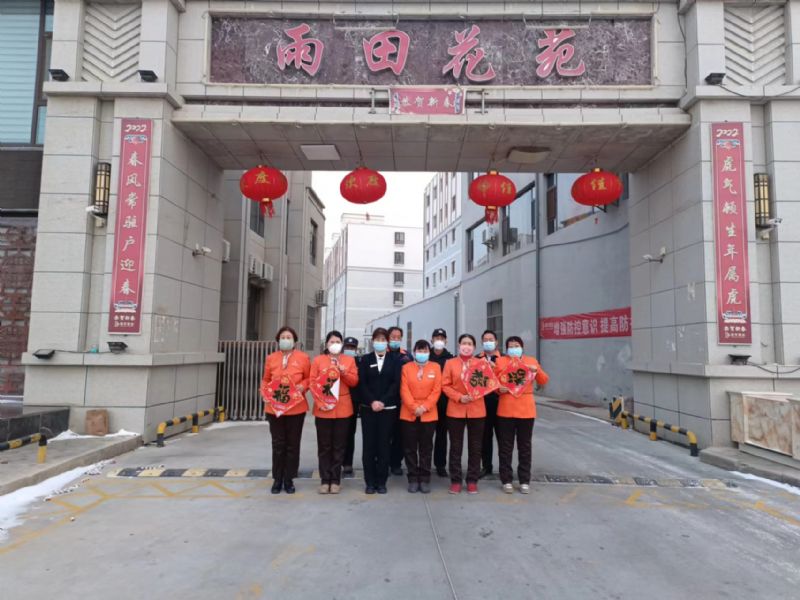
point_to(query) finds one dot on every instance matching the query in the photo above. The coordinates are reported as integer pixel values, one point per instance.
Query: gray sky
(402, 204)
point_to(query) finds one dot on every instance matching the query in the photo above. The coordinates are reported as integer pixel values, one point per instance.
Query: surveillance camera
(775, 221)
(206, 250)
(91, 209)
(647, 256)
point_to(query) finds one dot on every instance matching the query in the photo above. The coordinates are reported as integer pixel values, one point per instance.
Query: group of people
(409, 405)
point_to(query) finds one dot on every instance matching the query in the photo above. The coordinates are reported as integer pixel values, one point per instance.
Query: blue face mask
(421, 357)
(285, 344)
(395, 345)
(379, 346)
(489, 346)
(515, 352)
(349, 352)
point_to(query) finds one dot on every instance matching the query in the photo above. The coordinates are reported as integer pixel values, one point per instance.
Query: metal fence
(239, 378)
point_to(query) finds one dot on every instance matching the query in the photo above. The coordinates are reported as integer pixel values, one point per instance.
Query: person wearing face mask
(515, 418)
(286, 430)
(402, 357)
(490, 353)
(334, 423)
(440, 355)
(463, 412)
(351, 349)
(378, 391)
(420, 388)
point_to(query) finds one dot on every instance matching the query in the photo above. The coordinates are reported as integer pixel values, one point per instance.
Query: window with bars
(399, 238)
(399, 278)
(494, 319)
(398, 298)
(311, 328)
(399, 258)
(312, 252)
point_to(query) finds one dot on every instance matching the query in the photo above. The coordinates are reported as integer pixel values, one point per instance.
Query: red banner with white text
(601, 324)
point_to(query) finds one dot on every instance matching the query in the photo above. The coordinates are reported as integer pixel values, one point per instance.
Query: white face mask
(438, 345)
(335, 348)
(286, 344)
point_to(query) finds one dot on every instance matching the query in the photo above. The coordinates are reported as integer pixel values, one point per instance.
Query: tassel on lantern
(491, 214)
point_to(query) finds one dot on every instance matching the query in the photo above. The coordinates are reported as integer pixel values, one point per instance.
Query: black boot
(277, 486)
(288, 485)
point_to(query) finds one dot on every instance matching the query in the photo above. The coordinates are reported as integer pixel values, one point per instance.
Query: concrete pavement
(682, 527)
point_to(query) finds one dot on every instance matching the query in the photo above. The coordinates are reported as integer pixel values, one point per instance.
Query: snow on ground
(71, 435)
(228, 424)
(784, 486)
(16, 503)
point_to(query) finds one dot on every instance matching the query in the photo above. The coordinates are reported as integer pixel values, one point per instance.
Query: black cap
(440, 332)
(351, 341)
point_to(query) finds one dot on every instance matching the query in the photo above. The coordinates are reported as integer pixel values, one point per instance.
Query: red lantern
(264, 185)
(492, 191)
(363, 186)
(597, 188)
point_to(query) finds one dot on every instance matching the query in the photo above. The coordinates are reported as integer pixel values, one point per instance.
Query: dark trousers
(440, 446)
(286, 432)
(376, 432)
(351, 441)
(489, 430)
(507, 430)
(396, 454)
(474, 429)
(418, 444)
(331, 445)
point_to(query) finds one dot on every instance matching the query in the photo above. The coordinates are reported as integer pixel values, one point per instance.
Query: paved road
(683, 528)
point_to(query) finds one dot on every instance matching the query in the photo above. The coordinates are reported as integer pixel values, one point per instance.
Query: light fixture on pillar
(739, 359)
(44, 354)
(102, 188)
(117, 347)
(148, 76)
(763, 216)
(715, 78)
(58, 75)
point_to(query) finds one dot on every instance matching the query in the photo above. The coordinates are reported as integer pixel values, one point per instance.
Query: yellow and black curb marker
(41, 456)
(162, 472)
(219, 416)
(615, 408)
(655, 424)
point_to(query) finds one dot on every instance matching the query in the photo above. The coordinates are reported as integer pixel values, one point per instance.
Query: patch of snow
(605, 422)
(71, 435)
(228, 424)
(784, 486)
(14, 504)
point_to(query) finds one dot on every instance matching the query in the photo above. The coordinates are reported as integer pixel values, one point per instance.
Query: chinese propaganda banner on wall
(730, 234)
(127, 273)
(602, 324)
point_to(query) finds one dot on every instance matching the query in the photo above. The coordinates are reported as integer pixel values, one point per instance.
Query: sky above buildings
(402, 204)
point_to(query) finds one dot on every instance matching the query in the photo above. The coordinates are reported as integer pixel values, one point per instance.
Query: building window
(253, 312)
(428, 254)
(477, 252)
(256, 218)
(453, 205)
(434, 222)
(398, 298)
(399, 278)
(494, 319)
(311, 329)
(428, 228)
(552, 202)
(427, 282)
(454, 236)
(399, 238)
(409, 336)
(453, 269)
(313, 243)
(434, 280)
(427, 200)
(399, 258)
(440, 246)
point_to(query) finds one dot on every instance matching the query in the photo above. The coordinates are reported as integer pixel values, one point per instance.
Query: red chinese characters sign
(602, 324)
(730, 230)
(426, 101)
(127, 273)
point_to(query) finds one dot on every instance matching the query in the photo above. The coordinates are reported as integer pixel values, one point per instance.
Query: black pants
(376, 432)
(522, 430)
(440, 446)
(331, 446)
(396, 454)
(489, 429)
(351, 440)
(418, 444)
(474, 429)
(286, 432)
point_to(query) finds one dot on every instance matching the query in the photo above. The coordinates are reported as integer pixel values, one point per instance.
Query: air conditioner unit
(320, 298)
(267, 272)
(252, 265)
(226, 251)
(488, 238)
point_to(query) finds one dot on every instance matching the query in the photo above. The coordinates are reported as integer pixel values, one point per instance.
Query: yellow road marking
(635, 495)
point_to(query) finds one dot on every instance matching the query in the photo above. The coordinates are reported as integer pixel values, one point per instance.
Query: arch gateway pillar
(205, 120)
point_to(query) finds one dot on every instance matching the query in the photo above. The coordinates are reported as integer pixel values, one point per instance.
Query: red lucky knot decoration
(492, 191)
(597, 188)
(363, 186)
(264, 185)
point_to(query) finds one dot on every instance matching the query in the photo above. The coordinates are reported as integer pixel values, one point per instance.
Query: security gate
(239, 378)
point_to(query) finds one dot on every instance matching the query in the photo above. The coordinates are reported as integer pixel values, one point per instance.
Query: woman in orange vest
(420, 388)
(515, 418)
(463, 411)
(333, 411)
(287, 429)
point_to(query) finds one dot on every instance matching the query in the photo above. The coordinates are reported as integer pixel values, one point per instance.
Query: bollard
(218, 412)
(615, 409)
(41, 438)
(654, 424)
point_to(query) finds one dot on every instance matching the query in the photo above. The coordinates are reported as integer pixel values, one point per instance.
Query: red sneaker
(455, 488)
(472, 488)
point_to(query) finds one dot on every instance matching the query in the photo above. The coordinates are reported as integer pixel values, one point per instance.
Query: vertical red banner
(127, 273)
(730, 232)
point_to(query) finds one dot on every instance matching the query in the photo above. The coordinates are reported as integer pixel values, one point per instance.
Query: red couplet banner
(730, 234)
(127, 273)
(601, 324)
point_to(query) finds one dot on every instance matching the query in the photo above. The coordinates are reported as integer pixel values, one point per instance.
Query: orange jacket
(297, 367)
(347, 379)
(415, 392)
(454, 389)
(523, 407)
